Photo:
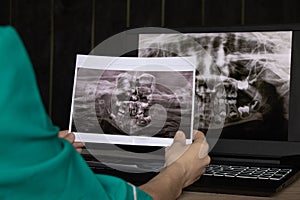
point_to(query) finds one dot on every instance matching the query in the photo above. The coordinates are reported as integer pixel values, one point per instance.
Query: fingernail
(179, 134)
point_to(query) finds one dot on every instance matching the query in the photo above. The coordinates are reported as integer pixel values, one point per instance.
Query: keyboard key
(247, 176)
(277, 176)
(275, 179)
(273, 170)
(261, 177)
(285, 170)
(256, 174)
(219, 174)
(265, 169)
(264, 176)
(230, 175)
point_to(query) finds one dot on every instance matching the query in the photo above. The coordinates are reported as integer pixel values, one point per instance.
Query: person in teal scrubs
(36, 164)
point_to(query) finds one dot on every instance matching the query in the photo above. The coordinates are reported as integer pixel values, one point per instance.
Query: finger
(70, 137)
(78, 144)
(203, 151)
(62, 134)
(180, 138)
(167, 148)
(179, 142)
(207, 160)
(79, 150)
(198, 135)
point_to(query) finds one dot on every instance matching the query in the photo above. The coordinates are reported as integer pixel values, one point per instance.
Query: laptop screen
(247, 85)
(253, 68)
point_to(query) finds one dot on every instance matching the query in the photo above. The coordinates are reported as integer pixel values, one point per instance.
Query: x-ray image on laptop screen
(252, 67)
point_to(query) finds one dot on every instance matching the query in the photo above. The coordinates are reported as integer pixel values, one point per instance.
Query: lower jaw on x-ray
(227, 103)
(242, 108)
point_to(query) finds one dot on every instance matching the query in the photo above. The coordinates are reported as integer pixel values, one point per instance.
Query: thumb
(179, 138)
(62, 134)
(176, 150)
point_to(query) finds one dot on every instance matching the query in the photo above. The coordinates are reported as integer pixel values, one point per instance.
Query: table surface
(292, 192)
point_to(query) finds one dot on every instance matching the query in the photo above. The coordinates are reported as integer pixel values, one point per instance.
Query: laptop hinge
(246, 160)
(293, 160)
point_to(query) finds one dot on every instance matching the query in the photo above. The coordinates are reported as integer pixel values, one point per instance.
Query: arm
(185, 170)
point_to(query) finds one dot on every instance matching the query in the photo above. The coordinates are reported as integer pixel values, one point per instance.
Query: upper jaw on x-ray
(239, 75)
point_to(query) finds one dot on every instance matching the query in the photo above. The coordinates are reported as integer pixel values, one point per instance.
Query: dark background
(54, 31)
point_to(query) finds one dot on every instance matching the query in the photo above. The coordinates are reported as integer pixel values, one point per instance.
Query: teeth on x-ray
(234, 71)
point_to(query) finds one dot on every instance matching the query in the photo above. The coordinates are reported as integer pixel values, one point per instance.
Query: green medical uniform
(34, 162)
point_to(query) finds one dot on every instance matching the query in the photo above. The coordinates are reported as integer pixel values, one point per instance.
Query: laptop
(256, 150)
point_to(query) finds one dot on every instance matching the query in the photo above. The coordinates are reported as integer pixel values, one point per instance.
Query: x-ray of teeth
(133, 103)
(242, 78)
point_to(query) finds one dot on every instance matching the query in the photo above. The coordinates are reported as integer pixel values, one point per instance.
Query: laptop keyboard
(246, 172)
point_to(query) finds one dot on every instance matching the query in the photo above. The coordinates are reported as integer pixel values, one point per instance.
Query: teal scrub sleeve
(34, 162)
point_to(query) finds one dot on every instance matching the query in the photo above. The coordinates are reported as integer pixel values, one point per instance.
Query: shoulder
(4, 30)
(11, 45)
(13, 52)
(7, 35)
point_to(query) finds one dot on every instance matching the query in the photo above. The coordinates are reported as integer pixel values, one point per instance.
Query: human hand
(192, 159)
(183, 166)
(71, 138)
